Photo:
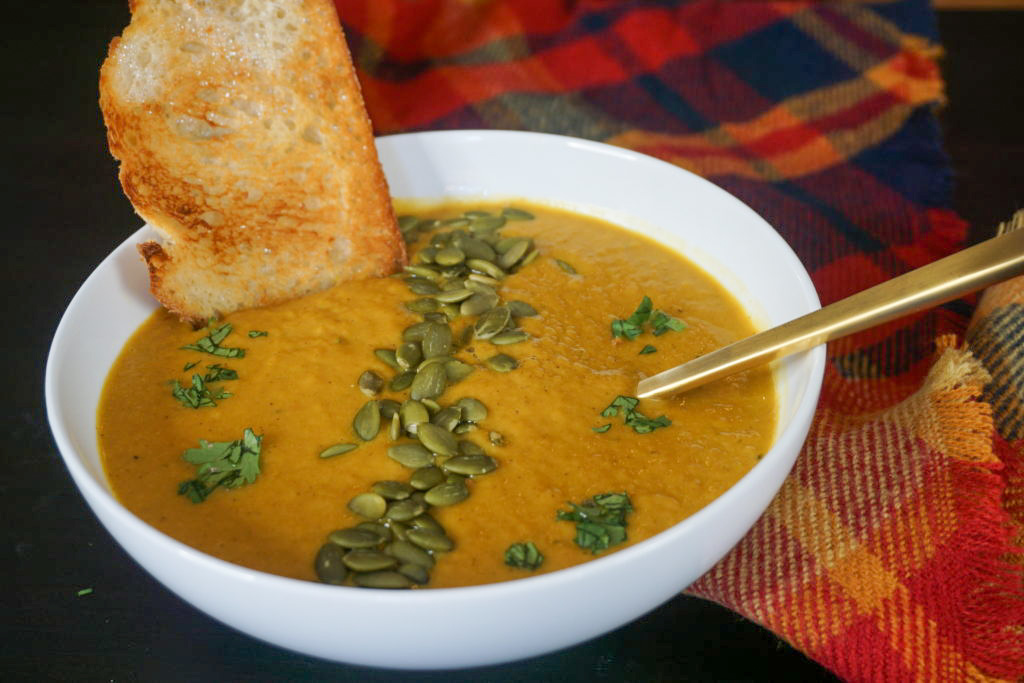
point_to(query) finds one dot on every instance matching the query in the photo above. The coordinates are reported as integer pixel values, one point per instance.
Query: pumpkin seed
(329, 564)
(437, 341)
(433, 407)
(475, 248)
(413, 412)
(422, 286)
(388, 357)
(496, 438)
(454, 295)
(472, 409)
(513, 214)
(467, 447)
(456, 371)
(432, 360)
(476, 213)
(395, 428)
(388, 407)
(409, 354)
(426, 478)
(502, 363)
(426, 254)
(475, 279)
(449, 256)
(521, 309)
(459, 222)
(367, 421)
(338, 449)
(448, 418)
(368, 560)
(436, 439)
(492, 322)
(486, 267)
(470, 465)
(407, 552)
(392, 490)
(370, 383)
(415, 332)
(382, 579)
(529, 258)
(430, 539)
(448, 493)
(407, 222)
(514, 253)
(424, 305)
(425, 272)
(510, 337)
(381, 530)
(486, 224)
(427, 224)
(404, 510)
(368, 505)
(478, 303)
(430, 382)
(414, 573)
(398, 529)
(411, 455)
(402, 381)
(505, 243)
(464, 428)
(450, 311)
(425, 521)
(354, 538)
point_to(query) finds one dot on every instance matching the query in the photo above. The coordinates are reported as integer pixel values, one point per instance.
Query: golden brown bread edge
(244, 141)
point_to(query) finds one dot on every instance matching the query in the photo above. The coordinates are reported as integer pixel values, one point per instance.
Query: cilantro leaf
(600, 521)
(230, 464)
(524, 556)
(640, 423)
(219, 373)
(211, 343)
(257, 333)
(633, 326)
(603, 428)
(662, 322)
(647, 349)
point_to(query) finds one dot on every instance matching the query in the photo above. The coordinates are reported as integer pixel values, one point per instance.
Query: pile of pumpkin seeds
(457, 278)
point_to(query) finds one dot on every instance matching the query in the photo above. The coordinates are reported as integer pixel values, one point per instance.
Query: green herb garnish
(633, 326)
(600, 521)
(647, 349)
(641, 424)
(189, 366)
(603, 428)
(222, 463)
(257, 333)
(524, 556)
(219, 373)
(199, 395)
(84, 591)
(211, 343)
(567, 267)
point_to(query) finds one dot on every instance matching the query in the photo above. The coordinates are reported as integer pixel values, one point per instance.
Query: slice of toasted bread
(244, 141)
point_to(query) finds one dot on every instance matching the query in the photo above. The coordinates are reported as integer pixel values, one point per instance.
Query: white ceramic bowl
(499, 622)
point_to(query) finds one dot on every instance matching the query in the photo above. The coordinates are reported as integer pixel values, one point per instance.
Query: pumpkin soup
(467, 422)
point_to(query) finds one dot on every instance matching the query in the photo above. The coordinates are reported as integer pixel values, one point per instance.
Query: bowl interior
(702, 221)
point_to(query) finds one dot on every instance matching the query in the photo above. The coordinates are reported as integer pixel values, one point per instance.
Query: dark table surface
(64, 212)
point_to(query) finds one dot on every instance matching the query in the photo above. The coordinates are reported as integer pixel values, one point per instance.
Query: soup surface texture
(297, 387)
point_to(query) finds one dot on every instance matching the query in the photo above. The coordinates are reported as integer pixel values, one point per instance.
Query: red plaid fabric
(891, 552)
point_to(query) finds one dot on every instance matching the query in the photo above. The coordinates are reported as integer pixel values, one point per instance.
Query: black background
(63, 212)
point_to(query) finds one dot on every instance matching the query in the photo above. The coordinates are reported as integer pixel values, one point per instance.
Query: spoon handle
(990, 261)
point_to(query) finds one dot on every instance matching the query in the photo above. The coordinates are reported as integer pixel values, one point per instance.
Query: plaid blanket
(892, 552)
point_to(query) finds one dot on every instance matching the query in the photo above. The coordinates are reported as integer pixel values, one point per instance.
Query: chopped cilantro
(257, 333)
(647, 349)
(199, 395)
(603, 428)
(189, 366)
(219, 373)
(524, 556)
(222, 463)
(84, 591)
(640, 423)
(633, 326)
(600, 521)
(211, 343)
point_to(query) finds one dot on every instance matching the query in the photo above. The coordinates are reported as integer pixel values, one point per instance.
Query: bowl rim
(99, 494)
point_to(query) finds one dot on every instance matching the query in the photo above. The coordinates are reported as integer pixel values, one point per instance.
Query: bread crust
(244, 142)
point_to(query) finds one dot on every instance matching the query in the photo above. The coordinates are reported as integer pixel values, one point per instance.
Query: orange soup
(551, 361)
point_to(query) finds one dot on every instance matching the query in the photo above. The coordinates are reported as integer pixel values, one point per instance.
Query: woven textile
(891, 553)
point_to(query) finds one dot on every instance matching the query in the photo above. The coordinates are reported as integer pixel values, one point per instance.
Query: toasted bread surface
(244, 141)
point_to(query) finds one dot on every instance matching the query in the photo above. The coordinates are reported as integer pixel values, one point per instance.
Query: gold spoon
(948, 278)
